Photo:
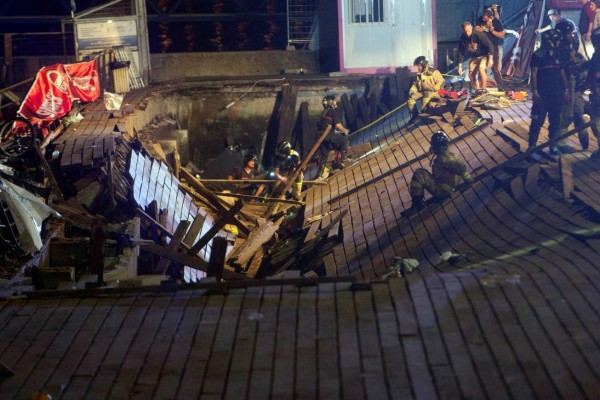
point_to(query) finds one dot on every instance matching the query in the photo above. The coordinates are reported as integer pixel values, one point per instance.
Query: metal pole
(143, 46)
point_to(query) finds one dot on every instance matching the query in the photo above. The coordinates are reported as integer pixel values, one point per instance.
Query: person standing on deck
(548, 88)
(495, 31)
(586, 24)
(479, 48)
(593, 82)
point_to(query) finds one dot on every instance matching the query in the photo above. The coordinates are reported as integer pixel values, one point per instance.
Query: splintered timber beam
(246, 181)
(174, 244)
(250, 197)
(188, 260)
(216, 264)
(218, 225)
(212, 198)
(273, 207)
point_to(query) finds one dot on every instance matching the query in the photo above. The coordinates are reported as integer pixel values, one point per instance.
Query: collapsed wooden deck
(375, 191)
(511, 314)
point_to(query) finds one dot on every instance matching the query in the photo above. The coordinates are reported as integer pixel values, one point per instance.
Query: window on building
(365, 11)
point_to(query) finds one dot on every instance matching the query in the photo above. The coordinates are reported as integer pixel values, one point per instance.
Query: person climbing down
(330, 124)
(448, 169)
(285, 164)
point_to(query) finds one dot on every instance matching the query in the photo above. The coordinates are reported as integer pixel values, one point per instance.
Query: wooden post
(216, 264)
(96, 257)
(211, 197)
(173, 245)
(218, 225)
(268, 199)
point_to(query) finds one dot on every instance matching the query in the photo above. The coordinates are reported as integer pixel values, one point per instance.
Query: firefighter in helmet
(285, 164)
(427, 83)
(448, 171)
(337, 136)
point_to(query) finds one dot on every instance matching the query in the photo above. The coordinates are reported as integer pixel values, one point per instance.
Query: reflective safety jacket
(429, 81)
(449, 171)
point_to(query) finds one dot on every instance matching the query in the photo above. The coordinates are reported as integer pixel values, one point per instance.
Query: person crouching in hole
(247, 171)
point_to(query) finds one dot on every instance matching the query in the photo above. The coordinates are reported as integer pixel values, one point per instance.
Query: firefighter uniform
(428, 83)
(448, 172)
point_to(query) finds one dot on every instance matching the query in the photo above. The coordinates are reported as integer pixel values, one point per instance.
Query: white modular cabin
(377, 36)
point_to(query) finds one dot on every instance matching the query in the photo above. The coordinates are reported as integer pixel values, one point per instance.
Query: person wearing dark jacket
(549, 88)
(477, 45)
(495, 31)
(247, 171)
(593, 82)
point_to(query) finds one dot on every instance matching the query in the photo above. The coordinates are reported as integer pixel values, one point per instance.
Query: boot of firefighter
(416, 205)
(414, 114)
(297, 191)
(339, 162)
(323, 172)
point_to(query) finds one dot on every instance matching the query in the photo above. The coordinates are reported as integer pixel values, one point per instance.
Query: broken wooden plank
(247, 181)
(97, 246)
(308, 129)
(173, 245)
(78, 217)
(467, 123)
(210, 197)
(255, 263)
(566, 175)
(259, 198)
(255, 240)
(462, 105)
(448, 117)
(516, 187)
(217, 226)
(194, 230)
(522, 132)
(515, 140)
(348, 110)
(533, 174)
(181, 258)
(216, 264)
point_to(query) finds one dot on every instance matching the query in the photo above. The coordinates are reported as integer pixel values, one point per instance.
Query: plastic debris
(401, 267)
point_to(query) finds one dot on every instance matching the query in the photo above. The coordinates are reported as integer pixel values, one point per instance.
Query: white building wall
(406, 31)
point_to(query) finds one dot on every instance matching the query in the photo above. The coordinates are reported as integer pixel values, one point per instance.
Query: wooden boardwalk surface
(505, 302)
(517, 332)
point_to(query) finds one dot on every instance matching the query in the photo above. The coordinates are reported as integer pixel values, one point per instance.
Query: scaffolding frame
(301, 21)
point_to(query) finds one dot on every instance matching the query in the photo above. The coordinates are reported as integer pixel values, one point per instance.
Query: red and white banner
(49, 97)
(85, 84)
